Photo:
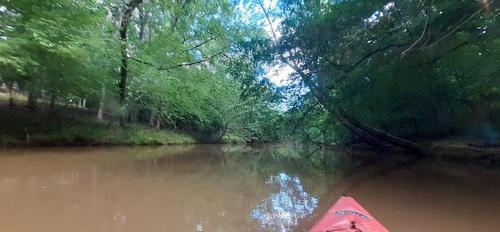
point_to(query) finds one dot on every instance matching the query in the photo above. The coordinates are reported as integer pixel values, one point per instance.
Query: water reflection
(287, 204)
(229, 188)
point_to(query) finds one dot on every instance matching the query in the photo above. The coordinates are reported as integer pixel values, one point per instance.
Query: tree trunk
(393, 140)
(33, 99)
(158, 123)
(10, 87)
(52, 103)
(101, 103)
(123, 80)
(125, 20)
(143, 21)
(151, 119)
(373, 136)
(158, 118)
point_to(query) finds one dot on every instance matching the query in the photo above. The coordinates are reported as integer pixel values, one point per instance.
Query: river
(233, 188)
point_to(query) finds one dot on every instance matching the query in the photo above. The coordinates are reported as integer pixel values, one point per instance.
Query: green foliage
(199, 72)
(21, 128)
(416, 69)
(181, 59)
(54, 46)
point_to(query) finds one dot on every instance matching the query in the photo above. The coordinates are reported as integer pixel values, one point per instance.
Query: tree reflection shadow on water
(287, 204)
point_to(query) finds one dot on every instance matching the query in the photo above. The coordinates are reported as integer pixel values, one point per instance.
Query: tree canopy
(382, 72)
(415, 69)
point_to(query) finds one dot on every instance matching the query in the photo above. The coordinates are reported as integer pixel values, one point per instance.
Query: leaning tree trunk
(125, 21)
(391, 139)
(373, 136)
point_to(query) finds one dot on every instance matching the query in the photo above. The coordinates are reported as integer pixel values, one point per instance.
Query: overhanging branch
(193, 62)
(200, 44)
(167, 68)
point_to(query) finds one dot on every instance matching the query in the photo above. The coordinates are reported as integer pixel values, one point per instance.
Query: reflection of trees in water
(287, 204)
(263, 159)
(238, 172)
(270, 159)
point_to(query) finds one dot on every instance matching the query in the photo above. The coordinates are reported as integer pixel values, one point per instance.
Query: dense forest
(389, 74)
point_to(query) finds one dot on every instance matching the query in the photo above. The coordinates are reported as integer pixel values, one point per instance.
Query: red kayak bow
(346, 215)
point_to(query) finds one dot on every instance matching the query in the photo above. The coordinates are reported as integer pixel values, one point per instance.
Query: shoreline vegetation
(353, 74)
(73, 126)
(20, 128)
(68, 125)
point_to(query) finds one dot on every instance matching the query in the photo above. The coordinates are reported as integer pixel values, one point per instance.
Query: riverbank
(466, 150)
(73, 126)
(76, 127)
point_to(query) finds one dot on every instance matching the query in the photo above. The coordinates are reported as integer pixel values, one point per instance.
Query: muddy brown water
(231, 188)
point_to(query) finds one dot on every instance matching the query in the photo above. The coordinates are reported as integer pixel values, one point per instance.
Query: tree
(52, 47)
(124, 24)
(334, 46)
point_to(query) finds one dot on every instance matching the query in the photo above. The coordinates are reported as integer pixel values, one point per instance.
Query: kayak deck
(347, 215)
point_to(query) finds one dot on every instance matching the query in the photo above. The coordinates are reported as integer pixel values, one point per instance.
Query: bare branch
(463, 23)
(192, 63)
(275, 38)
(167, 68)
(200, 44)
(419, 38)
(143, 62)
(372, 53)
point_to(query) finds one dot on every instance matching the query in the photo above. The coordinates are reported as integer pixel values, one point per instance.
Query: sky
(277, 74)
